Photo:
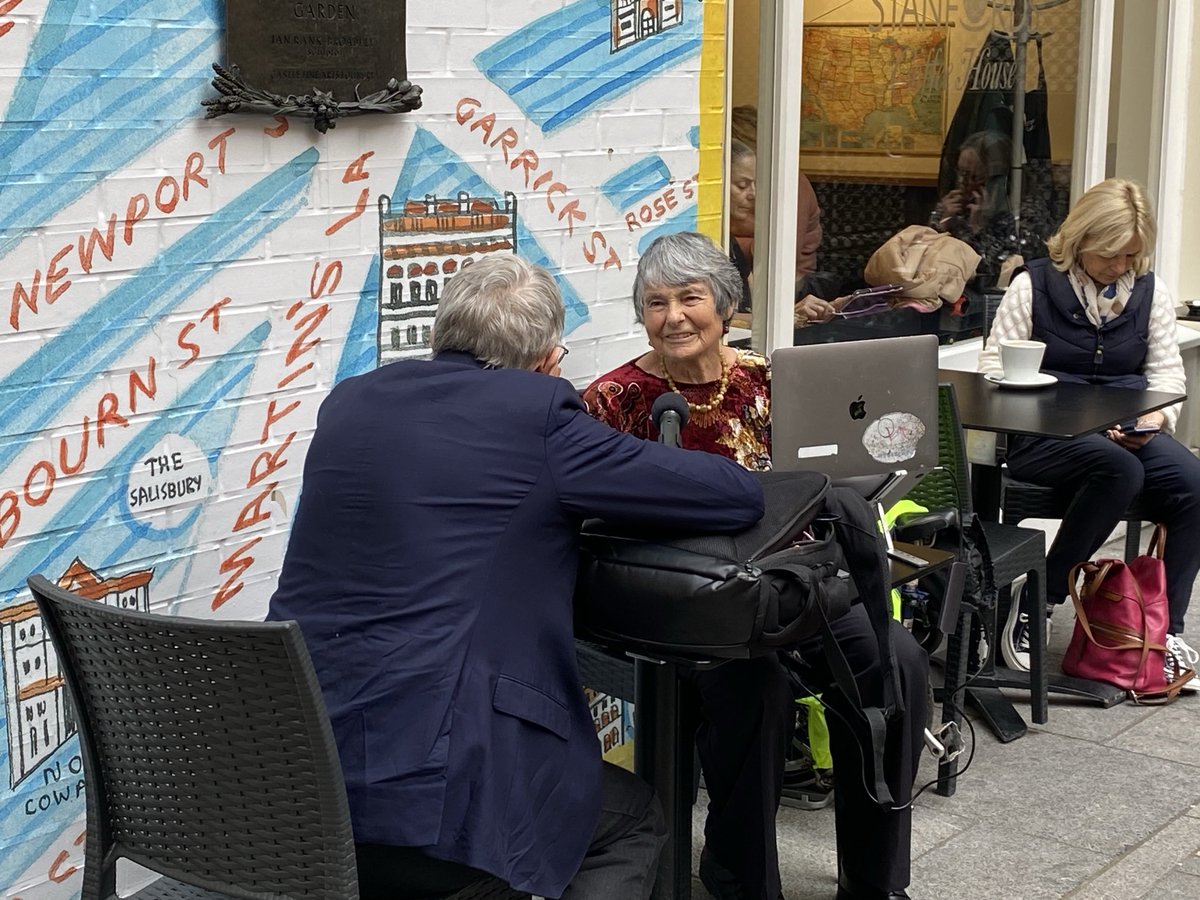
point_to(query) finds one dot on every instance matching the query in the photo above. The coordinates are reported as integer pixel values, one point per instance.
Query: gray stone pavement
(1095, 804)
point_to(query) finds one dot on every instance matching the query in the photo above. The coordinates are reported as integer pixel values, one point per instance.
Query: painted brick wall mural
(177, 294)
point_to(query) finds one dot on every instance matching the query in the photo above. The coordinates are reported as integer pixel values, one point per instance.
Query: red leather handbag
(1121, 625)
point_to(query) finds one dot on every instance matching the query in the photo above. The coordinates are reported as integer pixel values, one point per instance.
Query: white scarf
(1100, 304)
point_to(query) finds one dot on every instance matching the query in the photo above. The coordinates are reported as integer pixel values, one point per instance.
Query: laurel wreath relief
(321, 106)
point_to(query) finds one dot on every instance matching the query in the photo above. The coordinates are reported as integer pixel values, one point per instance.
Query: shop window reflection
(906, 120)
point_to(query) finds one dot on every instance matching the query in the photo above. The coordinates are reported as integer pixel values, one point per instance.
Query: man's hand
(811, 309)
(965, 204)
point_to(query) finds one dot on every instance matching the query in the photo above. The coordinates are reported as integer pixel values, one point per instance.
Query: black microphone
(670, 414)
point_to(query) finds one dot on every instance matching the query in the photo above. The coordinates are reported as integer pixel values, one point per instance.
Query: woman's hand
(1138, 441)
(811, 309)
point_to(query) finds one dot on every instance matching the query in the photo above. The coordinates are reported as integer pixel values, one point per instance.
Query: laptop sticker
(893, 437)
(816, 450)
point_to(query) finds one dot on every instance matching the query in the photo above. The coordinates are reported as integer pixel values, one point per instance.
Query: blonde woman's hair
(1103, 221)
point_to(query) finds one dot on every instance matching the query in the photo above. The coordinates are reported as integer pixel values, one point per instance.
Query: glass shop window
(907, 121)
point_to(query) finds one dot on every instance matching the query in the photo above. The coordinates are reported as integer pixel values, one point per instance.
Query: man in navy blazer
(431, 567)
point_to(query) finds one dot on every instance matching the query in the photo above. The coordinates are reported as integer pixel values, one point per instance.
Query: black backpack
(816, 550)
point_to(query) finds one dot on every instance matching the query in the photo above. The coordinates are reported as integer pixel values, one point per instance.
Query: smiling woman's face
(682, 322)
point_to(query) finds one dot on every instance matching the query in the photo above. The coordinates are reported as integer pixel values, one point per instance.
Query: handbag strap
(1158, 542)
(1166, 695)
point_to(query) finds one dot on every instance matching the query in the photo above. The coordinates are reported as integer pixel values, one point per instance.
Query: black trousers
(749, 714)
(619, 865)
(1098, 479)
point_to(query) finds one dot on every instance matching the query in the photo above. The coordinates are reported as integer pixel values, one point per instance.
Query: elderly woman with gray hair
(685, 291)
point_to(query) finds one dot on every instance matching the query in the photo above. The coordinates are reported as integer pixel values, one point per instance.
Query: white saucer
(1043, 379)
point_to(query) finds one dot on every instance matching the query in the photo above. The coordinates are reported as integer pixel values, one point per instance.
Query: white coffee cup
(1021, 360)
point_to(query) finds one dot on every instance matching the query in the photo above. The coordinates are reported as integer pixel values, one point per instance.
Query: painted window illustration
(36, 695)
(636, 20)
(421, 246)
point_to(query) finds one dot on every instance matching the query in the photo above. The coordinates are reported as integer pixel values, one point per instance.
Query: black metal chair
(1008, 552)
(208, 756)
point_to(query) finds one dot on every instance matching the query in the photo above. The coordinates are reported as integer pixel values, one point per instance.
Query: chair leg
(1133, 539)
(1035, 585)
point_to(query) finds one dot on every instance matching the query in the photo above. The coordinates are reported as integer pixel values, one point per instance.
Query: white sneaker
(1014, 641)
(1180, 656)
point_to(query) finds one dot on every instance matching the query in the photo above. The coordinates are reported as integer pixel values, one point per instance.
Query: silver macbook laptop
(859, 411)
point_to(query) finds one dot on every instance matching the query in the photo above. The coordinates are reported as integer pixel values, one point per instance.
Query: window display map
(869, 91)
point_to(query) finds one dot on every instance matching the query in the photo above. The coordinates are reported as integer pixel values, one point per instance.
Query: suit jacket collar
(459, 358)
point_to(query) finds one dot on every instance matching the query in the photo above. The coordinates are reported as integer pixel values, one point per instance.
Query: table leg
(1003, 719)
(986, 484)
(1039, 683)
(664, 758)
(1104, 695)
(1006, 723)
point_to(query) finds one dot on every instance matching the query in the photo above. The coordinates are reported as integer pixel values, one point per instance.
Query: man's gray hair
(504, 311)
(677, 259)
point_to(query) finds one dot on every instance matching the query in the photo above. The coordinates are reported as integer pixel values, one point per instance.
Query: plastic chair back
(207, 752)
(948, 486)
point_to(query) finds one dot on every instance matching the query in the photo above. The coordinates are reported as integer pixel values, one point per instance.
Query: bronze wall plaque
(321, 59)
(290, 47)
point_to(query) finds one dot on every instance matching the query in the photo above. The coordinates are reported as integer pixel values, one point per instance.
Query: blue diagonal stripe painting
(560, 67)
(37, 389)
(684, 220)
(103, 82)
(640, 180)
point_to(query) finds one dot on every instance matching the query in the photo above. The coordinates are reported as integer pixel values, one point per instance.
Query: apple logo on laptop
(858, 408)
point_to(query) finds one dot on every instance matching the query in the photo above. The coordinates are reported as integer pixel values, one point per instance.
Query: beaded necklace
(716, 399)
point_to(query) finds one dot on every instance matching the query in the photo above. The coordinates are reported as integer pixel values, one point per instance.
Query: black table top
(1060, 410)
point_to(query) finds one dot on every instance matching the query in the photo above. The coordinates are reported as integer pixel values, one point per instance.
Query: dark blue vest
(1076, 350)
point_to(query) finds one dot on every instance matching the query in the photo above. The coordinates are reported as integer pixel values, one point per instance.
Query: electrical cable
(950, 699)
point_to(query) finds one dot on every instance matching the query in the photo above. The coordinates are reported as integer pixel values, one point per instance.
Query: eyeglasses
(565, 351)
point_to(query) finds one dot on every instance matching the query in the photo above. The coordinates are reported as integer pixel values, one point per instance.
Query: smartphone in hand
(1144, 429)
(880, 290)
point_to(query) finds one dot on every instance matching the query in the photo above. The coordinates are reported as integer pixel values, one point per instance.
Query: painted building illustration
(36, 695)
(421, 246)
(613, 719)
(636, 20)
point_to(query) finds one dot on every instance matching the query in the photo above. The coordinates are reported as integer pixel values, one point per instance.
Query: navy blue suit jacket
(431, 566)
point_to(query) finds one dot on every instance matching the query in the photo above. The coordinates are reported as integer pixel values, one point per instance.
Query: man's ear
(548, 364)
